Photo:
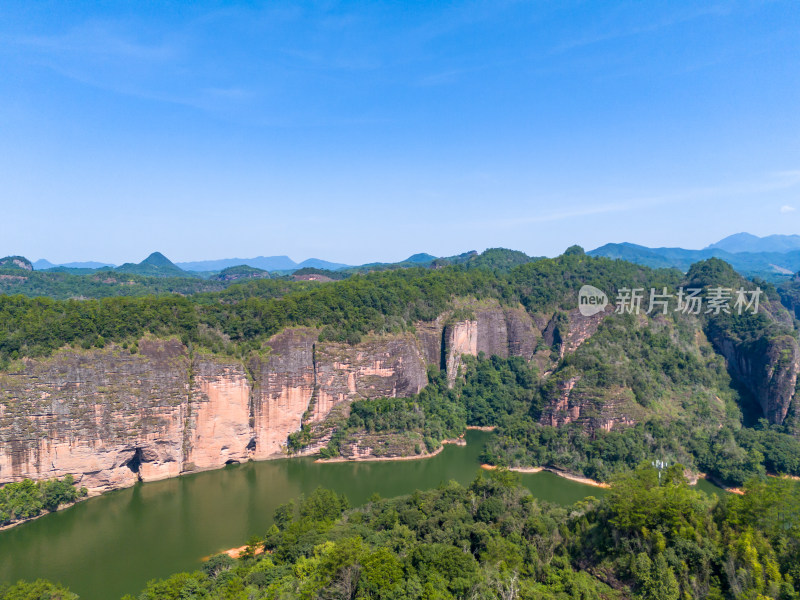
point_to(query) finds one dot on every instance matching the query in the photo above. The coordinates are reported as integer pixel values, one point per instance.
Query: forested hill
(157, 275)
(241, 318)
(704, 392)
(651, 538)
(592, 395)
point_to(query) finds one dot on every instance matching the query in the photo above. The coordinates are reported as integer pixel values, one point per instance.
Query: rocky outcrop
(106, 416)
(593, 409)
(762, 354)
(495, 331)
(768, 369)
(16, 262)
(460, 338)
(580, 328)
(111, 417)
(283, 387)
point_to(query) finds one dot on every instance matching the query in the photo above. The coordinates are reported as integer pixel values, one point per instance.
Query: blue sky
(370, 131)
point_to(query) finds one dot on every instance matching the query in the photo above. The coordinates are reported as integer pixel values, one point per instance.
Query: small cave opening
(251, 445)
(231, 461)
(134, 463)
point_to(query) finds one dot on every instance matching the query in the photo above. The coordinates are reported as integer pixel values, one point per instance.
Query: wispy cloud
(774, 181)
(619, 32)
(787, 209)
(151, 65)
(96, 40)
(443, 77)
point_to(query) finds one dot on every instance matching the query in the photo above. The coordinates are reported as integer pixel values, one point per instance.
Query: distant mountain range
(158, 264)
(268, 263)
(42, 264)
(772, 257)
(747, 242)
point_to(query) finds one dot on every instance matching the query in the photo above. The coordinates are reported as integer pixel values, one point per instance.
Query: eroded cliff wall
(111, 418)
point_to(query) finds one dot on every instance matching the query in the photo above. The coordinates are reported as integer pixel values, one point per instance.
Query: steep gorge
(111, 417)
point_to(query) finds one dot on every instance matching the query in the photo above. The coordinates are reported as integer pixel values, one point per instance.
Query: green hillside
(155, 265)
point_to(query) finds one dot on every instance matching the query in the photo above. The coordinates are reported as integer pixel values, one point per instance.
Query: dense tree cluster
(651, 538)
(241, 318)
(98, 284)
(706, 435)
(27, 499)
(490, 389)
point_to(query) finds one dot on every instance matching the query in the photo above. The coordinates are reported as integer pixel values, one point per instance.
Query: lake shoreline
(232, 504)
(45, 513)
(236, 553)
(558, 472)
(459, 441)
(722, 486)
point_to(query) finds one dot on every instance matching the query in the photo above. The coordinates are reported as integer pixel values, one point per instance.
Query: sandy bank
(564, 474)
(459, 441)
(236, 552)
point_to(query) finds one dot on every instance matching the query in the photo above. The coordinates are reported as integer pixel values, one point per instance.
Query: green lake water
(113, 544)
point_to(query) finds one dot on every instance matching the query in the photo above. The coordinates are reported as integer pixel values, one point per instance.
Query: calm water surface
(113, 544)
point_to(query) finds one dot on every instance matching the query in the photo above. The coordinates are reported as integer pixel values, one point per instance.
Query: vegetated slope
(155, 265)
(15, 263)
(241, 272)
(62, 285)
(591, 395)
(492, 258)
(773, 265)
(651, 537)
(672, 387)
(789, 292)
(246, 315)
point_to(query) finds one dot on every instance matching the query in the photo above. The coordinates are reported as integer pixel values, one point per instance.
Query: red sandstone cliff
(111, 417)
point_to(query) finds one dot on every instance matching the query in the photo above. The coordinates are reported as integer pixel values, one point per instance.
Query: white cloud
(787, 209)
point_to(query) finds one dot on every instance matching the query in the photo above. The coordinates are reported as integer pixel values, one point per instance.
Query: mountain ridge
(747, 242)
(772, 266)
(773, 257)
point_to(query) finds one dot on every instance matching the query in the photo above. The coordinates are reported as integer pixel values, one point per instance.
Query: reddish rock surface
(111, 418)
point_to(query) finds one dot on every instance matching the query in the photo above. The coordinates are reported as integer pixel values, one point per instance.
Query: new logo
(591, 300)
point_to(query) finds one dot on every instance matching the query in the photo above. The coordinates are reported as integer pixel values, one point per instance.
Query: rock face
(106, 416)
(494, 331)
(16, 262)
(614, 408)
(766, 366)
(111, 418)
(768, 369)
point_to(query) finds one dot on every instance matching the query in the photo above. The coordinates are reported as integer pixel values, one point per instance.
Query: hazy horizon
(299, 261)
